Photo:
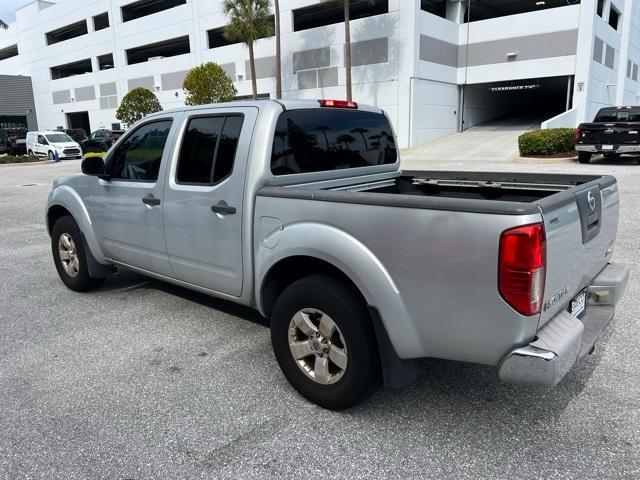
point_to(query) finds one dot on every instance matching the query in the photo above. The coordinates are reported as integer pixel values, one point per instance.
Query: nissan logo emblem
(592, 200)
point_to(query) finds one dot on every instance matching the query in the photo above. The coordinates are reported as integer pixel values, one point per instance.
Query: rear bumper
(565, 339)
(616, 149)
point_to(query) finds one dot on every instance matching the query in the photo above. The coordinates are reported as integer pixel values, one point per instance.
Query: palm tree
(347, 42)
(346, 139)
(3, 26)
(276, 7)
(324, 129)
(249, 20)
(362, 131)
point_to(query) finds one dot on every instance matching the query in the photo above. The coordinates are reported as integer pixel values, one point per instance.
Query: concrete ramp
(493, 141)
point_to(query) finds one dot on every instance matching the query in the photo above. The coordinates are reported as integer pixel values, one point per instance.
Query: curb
(547, 161)
(23, 164)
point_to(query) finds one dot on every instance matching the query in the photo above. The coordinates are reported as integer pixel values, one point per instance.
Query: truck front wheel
(324, 342)
(70, 256)
(584, 157)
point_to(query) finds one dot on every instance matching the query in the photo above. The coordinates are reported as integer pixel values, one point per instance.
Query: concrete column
(625, 36)
(409, 41)
(584, 57)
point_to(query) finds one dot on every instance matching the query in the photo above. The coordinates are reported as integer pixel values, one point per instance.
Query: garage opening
(154, 51)
(532, 100)
(79, 120)
(71, 69)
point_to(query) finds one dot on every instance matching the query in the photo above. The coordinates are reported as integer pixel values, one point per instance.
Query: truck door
(204, 198)
(128, 206)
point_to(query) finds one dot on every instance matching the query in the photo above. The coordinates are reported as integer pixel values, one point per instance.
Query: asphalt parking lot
(143, 380)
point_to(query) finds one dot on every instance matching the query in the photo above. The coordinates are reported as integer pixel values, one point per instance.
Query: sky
(8, 8)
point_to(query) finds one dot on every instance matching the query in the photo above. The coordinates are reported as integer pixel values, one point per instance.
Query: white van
(47, 144)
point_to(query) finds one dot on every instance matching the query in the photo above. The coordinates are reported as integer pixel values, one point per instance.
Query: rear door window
(318, 140)
(209, 149)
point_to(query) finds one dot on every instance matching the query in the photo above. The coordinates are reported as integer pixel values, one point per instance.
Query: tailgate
(624, 133)
(581, 226)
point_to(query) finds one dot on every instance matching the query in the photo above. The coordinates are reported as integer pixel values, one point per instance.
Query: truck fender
(66, 197)
(357, 262)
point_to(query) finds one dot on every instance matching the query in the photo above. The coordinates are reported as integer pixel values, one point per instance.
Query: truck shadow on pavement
(441, 384)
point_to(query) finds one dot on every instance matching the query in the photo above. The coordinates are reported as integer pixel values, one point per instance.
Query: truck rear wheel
(324, 342)
(70, 256)
(584, 157)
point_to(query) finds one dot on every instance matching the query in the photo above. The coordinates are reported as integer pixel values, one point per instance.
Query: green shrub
(208, 83)
(547, 142)
(137, 104)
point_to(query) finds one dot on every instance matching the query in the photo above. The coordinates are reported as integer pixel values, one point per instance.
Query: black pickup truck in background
(615, 131)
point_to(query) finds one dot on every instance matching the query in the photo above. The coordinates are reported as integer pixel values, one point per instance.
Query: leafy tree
(347, 41)
(249, 20)
(137, 104)
(3, 26)
(208, 83)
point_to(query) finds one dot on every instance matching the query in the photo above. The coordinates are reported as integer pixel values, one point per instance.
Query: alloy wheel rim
(68, 255)
(317, 346)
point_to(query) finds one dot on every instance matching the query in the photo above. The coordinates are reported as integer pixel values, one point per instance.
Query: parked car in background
(615, 131)
(101, 140)
(17, 145)
(47, 144)
(299, 209)
(8, 133)
(77, 134)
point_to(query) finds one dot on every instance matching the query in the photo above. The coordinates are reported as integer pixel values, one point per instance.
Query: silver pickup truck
(299, 209)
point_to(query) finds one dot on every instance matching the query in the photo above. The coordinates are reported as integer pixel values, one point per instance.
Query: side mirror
(93, 166)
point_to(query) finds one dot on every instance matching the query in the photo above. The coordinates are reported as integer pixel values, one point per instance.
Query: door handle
(223, 209)
(151, 200)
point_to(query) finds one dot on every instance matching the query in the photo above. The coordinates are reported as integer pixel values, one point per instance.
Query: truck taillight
(578, 134)
(521, 268)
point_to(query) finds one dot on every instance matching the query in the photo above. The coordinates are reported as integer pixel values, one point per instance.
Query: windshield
(58, 138)
(612, 116)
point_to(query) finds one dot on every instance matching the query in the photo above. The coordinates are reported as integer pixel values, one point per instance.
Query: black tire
(348, 311)
(50, 155)
(82, 281)
(584, 157)
(30, 153)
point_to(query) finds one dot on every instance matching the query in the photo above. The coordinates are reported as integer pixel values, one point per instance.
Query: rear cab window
(324, 139)
(610, 115)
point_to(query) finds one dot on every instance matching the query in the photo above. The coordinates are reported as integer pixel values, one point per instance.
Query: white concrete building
(423, 61)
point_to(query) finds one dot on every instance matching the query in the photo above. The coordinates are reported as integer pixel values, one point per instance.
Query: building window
(66, 33)
(9, 52)
(116, 126)
(598, 46)
(614, 17)
(105, 62)
(71, 69)
(143, 8)
(156, 51)
(629, 68)
(635, 72)
(100, 22)
(487, 9)
(323, 14)
(435, 7)
(600, 9)
(610, 57)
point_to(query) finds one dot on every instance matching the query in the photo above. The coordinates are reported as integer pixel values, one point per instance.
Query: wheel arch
(65, 201)
(308, 248)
